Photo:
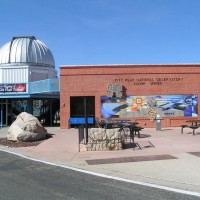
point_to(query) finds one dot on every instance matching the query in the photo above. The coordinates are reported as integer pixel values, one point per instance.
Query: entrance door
(82, 106)
(1, 115)
(5, 112)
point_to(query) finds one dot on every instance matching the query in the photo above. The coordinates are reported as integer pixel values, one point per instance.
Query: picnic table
(132, 126)
(194, 125)
(194, 122)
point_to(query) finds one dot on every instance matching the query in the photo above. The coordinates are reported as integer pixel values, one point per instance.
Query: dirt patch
(15, 144)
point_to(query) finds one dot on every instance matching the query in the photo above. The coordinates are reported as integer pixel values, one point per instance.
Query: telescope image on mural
(138, 106)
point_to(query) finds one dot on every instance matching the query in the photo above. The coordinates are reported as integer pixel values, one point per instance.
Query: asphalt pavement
(26, 179)
(173, 162)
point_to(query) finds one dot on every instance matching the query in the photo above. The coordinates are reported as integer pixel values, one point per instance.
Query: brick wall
(136, 79)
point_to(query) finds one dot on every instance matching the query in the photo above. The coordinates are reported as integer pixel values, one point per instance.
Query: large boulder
(26, 128)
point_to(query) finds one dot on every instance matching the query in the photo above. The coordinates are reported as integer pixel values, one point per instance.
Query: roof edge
(116, 65)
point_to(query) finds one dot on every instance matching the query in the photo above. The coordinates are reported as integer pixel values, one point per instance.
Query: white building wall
(14, 75)
(25, 74)
(1, 76)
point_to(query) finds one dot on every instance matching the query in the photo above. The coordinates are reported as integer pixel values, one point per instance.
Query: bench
(182, 127)
(137, 130)
(77, 121)
(194, 128)
(187, 126)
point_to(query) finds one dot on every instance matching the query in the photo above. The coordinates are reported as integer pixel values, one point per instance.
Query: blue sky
(81, 32)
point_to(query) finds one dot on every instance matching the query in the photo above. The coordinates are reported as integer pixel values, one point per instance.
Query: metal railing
(36, 87)
(47, 85)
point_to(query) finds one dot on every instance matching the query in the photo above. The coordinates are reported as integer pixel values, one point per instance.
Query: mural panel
(138, 106)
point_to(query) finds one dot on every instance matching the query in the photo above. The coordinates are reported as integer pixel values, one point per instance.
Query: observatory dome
(26, 50)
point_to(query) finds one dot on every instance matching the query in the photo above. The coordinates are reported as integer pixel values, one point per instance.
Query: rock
(26, 128)
(104, 139)
(97, 133)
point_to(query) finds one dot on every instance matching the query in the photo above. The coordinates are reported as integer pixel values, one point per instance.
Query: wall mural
(138, 106)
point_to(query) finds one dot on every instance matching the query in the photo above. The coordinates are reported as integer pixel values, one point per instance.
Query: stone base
(101, 139)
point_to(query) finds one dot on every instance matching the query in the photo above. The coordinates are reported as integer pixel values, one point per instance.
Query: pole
(86, 120)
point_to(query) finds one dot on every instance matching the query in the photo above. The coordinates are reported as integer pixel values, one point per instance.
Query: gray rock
(26, 128)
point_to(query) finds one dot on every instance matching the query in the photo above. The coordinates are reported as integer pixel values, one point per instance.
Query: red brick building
(135, 92)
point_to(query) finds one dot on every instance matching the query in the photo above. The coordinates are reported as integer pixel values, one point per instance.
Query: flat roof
(113, 65)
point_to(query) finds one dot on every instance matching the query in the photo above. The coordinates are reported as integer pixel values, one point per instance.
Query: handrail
(47, 85)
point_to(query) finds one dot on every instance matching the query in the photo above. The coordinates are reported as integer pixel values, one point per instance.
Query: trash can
(158, 122)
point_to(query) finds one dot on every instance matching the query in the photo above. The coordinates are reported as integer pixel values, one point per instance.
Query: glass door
(80, 107)
(5, 113)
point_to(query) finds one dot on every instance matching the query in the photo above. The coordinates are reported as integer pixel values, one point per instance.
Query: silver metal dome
(26, 50)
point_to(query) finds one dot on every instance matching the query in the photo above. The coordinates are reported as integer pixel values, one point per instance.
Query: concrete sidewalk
(181, 171)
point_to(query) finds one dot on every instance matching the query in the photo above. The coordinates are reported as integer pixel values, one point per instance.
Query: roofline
(129, 65)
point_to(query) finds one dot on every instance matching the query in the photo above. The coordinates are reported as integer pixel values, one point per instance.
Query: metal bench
(182, 127)
(194, 128)
(137, 130)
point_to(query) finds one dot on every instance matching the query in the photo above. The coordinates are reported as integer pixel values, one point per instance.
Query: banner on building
(7, 88)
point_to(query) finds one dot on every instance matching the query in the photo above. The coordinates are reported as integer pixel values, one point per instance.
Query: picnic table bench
(194, 128)
(137, 130)
(194, 125)
(182, 127)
